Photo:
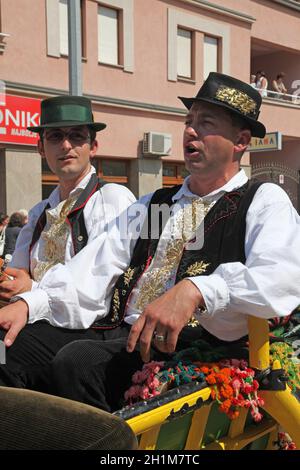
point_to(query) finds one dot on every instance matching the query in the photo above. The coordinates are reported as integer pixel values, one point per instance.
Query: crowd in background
(261, 83)
(10, 227)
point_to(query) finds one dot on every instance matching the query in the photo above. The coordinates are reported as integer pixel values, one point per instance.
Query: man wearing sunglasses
(75, 213)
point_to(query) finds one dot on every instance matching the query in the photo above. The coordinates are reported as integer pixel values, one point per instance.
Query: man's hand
(21, 282)
(13, 318)
(166, 316)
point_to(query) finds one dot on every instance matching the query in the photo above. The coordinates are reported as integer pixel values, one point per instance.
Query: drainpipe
(75, 53)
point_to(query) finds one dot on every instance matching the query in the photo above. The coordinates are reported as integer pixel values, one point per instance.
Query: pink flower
(247, 388)
(138, 377)
(144, 394)
(152, 382)
(236, 384)
(133, 392)
(257, 416)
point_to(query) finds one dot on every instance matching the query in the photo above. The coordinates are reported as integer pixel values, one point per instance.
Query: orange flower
(210, 379)
(225, 406)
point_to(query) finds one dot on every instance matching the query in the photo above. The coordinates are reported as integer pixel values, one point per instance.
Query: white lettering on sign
(31, 119)
(19, 118)
(22, 132)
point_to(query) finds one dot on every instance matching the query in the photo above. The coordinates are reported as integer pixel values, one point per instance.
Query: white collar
(54, 198)
(235, 182)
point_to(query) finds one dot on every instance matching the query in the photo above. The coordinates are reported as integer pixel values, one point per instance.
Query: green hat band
(66, 113)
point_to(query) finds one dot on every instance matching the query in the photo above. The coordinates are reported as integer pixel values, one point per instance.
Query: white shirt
(267, 285)
(103, 206)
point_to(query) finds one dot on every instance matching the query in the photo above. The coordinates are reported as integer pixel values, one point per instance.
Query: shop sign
(16, 114)
(271, 141)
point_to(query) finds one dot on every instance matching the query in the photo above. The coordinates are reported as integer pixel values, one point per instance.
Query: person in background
(14, 227)
(253, 81)
(279, 86)
(262, 83)
(4, 219)
(24, 213)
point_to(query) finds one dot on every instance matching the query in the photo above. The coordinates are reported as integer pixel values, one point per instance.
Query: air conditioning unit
(155, 143)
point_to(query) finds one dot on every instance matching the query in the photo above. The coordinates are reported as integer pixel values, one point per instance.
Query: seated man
(75, 213)
(222, 248)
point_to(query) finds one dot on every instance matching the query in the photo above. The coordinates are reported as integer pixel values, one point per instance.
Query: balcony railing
(282, 98)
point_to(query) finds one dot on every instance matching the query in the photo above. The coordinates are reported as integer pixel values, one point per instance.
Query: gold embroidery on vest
(237, 99)
(197, 268)
(128, 276)
(156, 280)
(55, 238)
(116, 306)
(193, 322)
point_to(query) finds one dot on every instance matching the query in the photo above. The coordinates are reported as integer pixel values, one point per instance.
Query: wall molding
(289, 4)
(45, 92)
(224, 11)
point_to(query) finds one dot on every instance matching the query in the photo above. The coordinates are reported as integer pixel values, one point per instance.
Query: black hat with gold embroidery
(230, 93)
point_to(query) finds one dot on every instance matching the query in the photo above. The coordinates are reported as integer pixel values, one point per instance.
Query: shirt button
(80, 238)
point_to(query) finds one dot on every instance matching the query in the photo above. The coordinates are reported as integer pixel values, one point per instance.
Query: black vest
(224, 239)
(75, 217)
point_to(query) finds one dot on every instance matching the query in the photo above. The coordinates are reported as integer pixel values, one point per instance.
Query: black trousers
(89, 366)
(29, 359)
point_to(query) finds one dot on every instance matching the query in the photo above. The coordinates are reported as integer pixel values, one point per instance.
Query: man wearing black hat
(228, 247)
(59, 227)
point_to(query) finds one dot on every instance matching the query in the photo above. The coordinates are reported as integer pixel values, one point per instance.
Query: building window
(173, 174)
(177, 20)
(184, 53)
(57, 27)
(108, 35)
(63, 27)
(112, 171)
(210, 55)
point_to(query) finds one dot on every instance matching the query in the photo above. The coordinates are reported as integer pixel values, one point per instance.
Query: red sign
(16, 114)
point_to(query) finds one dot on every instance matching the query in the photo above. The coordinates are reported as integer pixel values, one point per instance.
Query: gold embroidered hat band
(231, 94)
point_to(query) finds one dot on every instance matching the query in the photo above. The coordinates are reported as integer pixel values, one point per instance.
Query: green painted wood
(173, 435)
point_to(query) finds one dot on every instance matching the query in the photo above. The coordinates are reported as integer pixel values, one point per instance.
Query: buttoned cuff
(38, 304)
(215, 293)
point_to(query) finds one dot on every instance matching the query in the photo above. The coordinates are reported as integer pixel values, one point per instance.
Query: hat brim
(257, 128)
(96, 126)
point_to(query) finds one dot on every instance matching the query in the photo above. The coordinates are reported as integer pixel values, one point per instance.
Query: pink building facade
(138, 57)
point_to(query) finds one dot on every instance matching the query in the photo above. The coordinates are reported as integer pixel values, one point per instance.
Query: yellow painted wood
(197, 428)
(149, 439)
(284, 407)
(259, 347)
(273, 437)
(237, 425)
(249, 435)
(145, 421)
(281, 405)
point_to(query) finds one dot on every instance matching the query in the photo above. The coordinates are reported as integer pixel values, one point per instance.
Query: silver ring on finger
(159, 338)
